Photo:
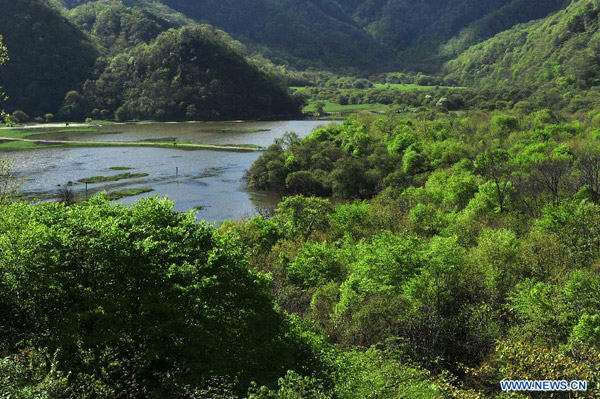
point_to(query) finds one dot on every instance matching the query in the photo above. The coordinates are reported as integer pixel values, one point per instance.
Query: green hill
(126, 60)
(306, 32)
(119, 27)
(417, 29)
(191, 73)
(48, 56)
(358, 34)
(554, 61)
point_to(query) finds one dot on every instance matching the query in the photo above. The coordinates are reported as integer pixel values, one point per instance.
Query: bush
(20, 116)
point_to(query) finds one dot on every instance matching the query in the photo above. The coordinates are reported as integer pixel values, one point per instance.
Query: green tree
(75, 107)
(3, 60)
(141, 300)
(495, 166)
(300, 216)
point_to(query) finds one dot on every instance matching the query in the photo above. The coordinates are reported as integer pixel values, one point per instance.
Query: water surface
(209, 180)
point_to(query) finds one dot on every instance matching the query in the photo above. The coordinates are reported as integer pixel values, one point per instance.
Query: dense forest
(465, 253)
(442, 240)
(196, 72)
(554, 60)
(354, 40)
(468, 243)
(359, 34)
(191, 73)
(49, 56)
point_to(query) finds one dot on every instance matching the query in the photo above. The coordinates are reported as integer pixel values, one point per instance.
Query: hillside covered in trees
(359, 34)
(554, 60)
(469, 244)
(49, 56)
(192, 73)
(77, 67)
(432, 248)
(280, 39)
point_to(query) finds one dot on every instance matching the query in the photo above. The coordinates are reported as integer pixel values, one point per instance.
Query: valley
(299, 199)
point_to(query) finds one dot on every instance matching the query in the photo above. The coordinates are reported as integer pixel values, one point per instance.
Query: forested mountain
(312, 32)
(309, 33)
(118, 27)
(190, 73)
(422, 26)
(556, 60)
(104, 60)
(353, 32)
(48, 55)
(356, 34)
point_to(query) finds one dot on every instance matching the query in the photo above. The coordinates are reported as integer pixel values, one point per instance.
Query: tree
(125, 310)
(75, 106)
(20, 116)
(551, 172)
(495, 165)
(320, 108)
(301, 216)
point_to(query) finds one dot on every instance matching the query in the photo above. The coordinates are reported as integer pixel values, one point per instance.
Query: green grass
(21, 145)
(103, 179)
(131, 192)
(120, 168)
(26, 133)
(299, 88)
(101, 122)
(402, 86)
(331, 107)
(409, 87)
(41, 144)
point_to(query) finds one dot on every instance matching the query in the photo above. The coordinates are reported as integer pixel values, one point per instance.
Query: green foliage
(191, 73)
(49, 56)
(138, 301)
(300, 216)
(587, 331)
(119, 27)
(491, 237)
(283, 28)
(552, 61)
(9, 185)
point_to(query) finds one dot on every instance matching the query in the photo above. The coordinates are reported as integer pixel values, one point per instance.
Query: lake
(211, 181)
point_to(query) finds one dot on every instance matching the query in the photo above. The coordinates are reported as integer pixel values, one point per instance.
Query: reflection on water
(208, 180)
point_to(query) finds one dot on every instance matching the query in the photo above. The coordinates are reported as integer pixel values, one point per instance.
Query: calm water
(211, 180)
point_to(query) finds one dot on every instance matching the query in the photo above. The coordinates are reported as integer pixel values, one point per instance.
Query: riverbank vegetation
(469, 245)
(15, 139)
(446, 242)
(103, 179)
(130, 192)
(465, 253)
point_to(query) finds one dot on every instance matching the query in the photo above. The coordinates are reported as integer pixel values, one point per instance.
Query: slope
(306, 32)
(191, 73)
(554, 61)
(48, 56)
(118, 27)
(417, 29)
